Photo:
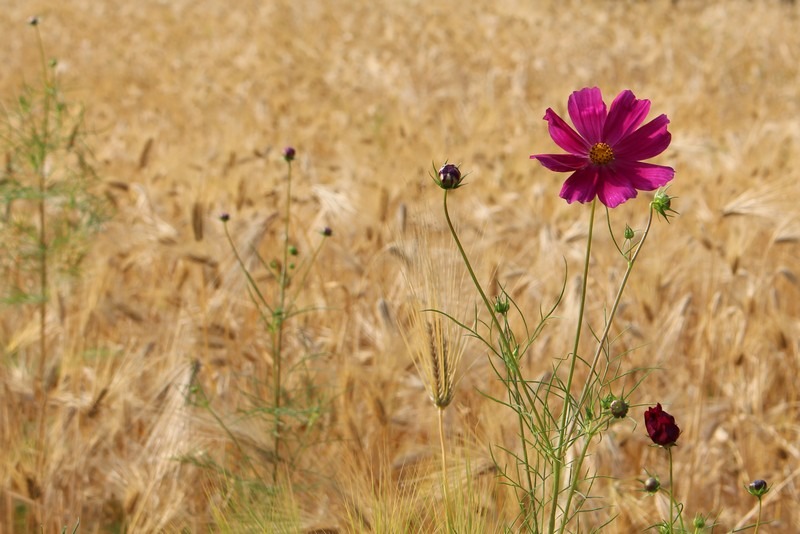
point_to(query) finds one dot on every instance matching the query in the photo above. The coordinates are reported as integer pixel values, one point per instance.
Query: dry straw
(432, 332)
(372, 94)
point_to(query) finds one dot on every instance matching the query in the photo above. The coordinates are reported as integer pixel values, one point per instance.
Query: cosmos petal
(643, 176)
(561, 162)
(563, 134)
(614, 188)
(624, 116)
(581, 186)
(588, 113)
(648, 141)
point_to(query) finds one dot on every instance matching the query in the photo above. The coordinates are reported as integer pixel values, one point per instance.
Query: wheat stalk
(432, 336)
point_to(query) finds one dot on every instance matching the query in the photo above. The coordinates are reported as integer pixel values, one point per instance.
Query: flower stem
(505, 346)
(279, 317)
(41, 148)
(503, 341)
(563, 437)
(614, 307)
(758, 518)
(671, 493)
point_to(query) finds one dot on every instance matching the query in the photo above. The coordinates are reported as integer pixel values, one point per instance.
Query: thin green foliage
(48, 211)
(292, 413)
(556, 425)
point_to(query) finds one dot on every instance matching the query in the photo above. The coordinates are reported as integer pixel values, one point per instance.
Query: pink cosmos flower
(605, 154)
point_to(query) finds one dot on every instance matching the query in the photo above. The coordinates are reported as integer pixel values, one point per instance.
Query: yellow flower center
(601, 154)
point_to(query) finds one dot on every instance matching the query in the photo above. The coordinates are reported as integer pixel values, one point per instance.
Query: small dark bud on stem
(758, 488)
(619, 408)
(651, 485)
(449, 176)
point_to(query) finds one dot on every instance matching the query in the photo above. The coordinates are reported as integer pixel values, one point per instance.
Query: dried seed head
(435, 342)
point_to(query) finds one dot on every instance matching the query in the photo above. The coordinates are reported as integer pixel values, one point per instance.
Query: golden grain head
(434, 339)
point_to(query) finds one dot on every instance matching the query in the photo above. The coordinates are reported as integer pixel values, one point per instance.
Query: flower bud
(33, 21)
(652, 485)
(757, 488)
(293, 250)
(449, 176)
(289, 153)
(619, 408)
(224, 217)
(662, 203)
(501, 305)
(661, 426)
(327, 231)
(628, 232)
(699, 522)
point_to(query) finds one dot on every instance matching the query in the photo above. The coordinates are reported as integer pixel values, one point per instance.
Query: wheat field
(188, 105)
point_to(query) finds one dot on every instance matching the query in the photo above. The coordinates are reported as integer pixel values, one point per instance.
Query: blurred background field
(189, 104)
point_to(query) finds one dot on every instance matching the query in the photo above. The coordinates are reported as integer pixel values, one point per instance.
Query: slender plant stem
(445, 483)
(563, 436)
(42, 140)
(614, 307)
(279, 316)
(505, 346)
(758, 517)
(576, 476)
(302, 282)
(671, 493)
(604, 336)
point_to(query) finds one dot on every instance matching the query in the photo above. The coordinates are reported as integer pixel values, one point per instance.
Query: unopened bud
(651, 485)
(619, 408)
(501, 305)
(449, 176)
(662, 203)
(628, 232)
(757, 488)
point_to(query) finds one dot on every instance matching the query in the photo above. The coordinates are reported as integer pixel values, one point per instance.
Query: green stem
(575, 477)
(42, 140)
(563, 437)
(614, 307)
(503, 341)
(758, 518)
(603, 338)
(505, 346)
(302, 283)
(279, 318)
(671, 493)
